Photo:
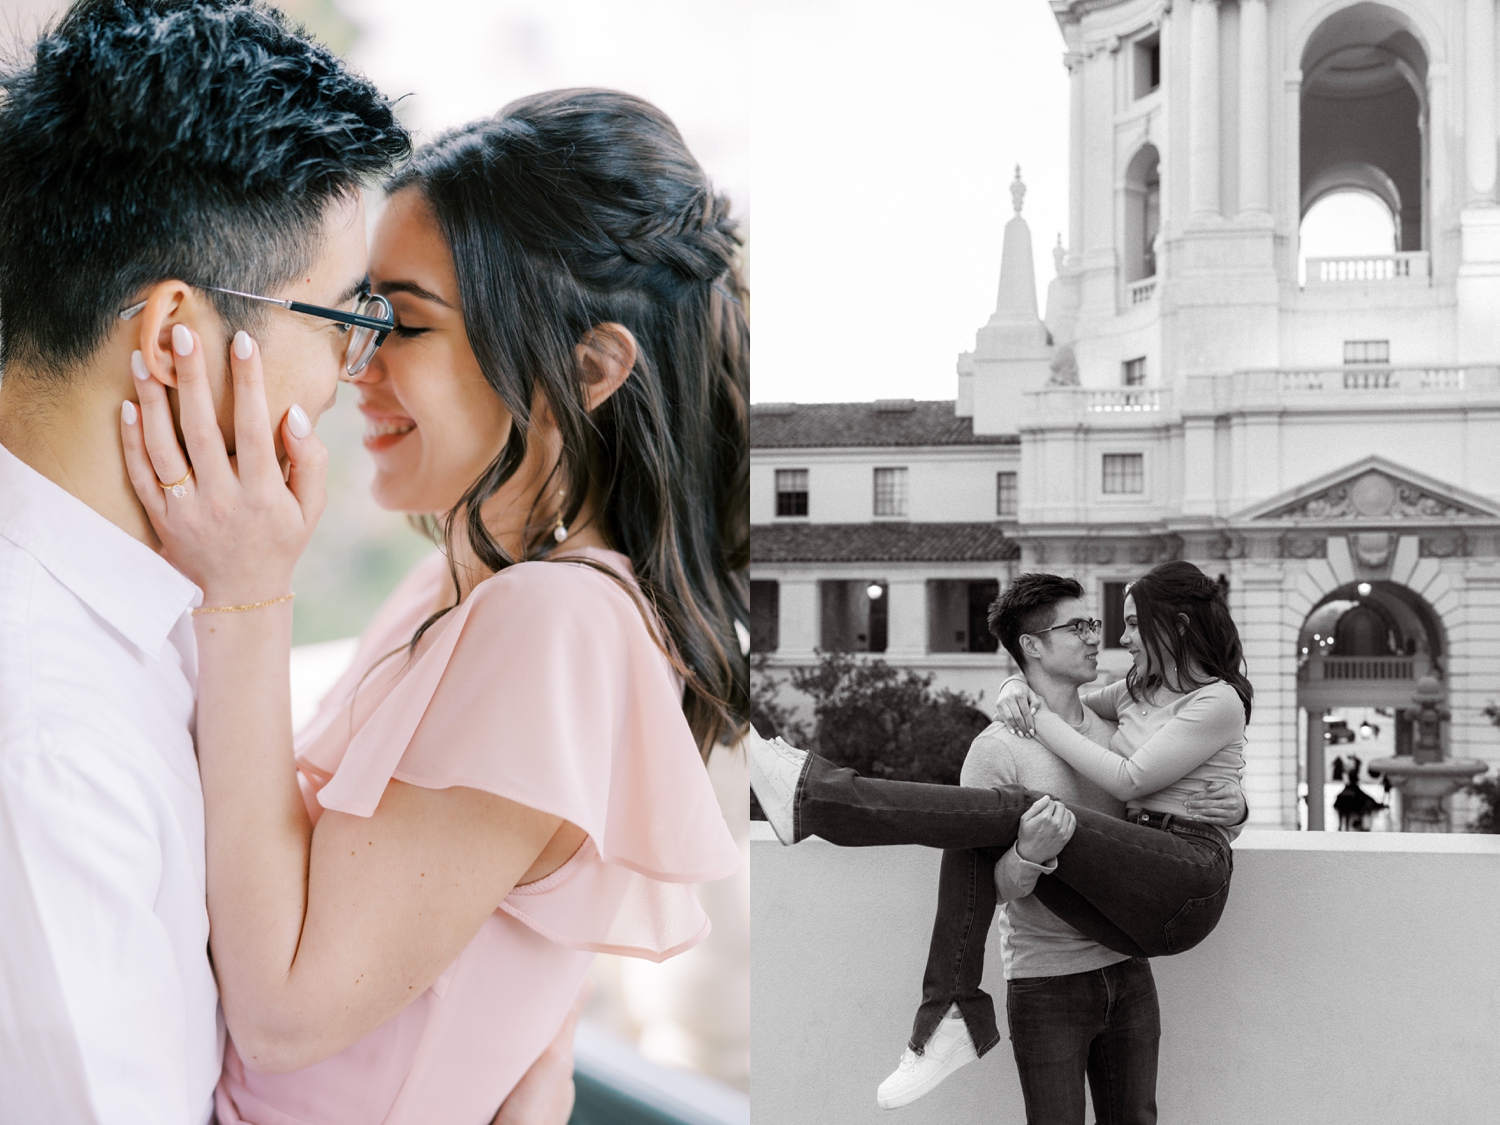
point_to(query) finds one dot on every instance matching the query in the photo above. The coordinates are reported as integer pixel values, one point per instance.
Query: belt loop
(1166, 822)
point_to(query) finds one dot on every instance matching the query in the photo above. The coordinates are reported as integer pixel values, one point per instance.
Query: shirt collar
(125, 582)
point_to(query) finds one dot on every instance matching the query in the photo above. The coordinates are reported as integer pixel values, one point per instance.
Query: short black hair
(1026, 606)
(143, 140)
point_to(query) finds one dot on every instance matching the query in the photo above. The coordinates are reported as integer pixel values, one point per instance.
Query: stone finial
(1017, 190)
(1059, 255)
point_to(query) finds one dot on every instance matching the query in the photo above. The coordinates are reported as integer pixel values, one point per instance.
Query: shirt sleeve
(1207, 723)
(547, 687)
(989, 763)
(92, 1010)
(1105, 701)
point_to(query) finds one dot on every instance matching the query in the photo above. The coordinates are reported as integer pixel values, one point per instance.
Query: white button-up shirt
(108, 1008)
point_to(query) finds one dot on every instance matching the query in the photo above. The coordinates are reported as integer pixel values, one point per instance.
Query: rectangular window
(1133, 372)
(765, 616)
(791, 492)
(890, 492)
(1367, 351)
(1124, 472)
(1005, 494)
(1114, 613)
(958, 615)
(1147, 65)
(854, 615)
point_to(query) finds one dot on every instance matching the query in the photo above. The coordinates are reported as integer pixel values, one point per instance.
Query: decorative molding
(1372, 550)
(1445, 545)
(1224, 547)
(1374, 495)
(1299, 546)
(1101, 551)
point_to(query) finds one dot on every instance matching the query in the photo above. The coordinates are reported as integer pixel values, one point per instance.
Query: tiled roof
(784, 425)
(880, 542)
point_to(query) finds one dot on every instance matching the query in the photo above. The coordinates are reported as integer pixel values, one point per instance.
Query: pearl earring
(560, 532)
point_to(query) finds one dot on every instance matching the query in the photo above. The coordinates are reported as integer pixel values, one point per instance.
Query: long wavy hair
(576, 208)
(1184, 620)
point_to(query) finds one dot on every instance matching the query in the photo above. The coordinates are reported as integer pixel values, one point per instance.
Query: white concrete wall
(953, 484)
(1353, 978)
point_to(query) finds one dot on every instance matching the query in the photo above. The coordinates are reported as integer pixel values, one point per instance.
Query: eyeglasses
(1080, 627)
(368, 325)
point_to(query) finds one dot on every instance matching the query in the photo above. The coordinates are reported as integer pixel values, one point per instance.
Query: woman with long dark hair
(1150, 885)
(510, 777)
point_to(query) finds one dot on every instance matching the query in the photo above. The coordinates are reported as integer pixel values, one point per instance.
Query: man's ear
(168, 303)
(606, 356)
(1030, 646)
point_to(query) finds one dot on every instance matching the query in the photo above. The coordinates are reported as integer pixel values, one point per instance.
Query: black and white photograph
(1125, 572)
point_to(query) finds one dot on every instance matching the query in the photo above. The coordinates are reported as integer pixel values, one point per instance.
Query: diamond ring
(178, 488)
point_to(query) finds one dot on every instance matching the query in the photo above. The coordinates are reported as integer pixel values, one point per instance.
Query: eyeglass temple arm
(296, 306)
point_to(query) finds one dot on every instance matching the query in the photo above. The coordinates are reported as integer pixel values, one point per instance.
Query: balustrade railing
(1139, 292)
(1408, 267)
(1347, 668)
(1124, 401)
(1371, 379)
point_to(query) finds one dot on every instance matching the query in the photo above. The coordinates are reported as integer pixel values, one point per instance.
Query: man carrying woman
(1152, 884)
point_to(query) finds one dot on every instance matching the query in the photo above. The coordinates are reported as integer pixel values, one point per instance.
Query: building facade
(1324, 436)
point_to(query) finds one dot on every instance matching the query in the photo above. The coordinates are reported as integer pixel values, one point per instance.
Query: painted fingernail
(182, 340)
(127, 410)
(297, 422)
(243, 345)
(138, 366)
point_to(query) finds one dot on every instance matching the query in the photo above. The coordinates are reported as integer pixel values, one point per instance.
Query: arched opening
(1360, 653)
(1364, 128)
(1142, 213)
(1347, 223)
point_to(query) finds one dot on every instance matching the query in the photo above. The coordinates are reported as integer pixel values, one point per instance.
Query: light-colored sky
(886, 135)
(461, 59)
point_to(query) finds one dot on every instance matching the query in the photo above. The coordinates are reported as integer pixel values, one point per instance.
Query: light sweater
(1034, 942)
(1166, 748)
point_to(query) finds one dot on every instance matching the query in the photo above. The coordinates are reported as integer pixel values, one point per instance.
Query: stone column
(1074, 62)
(798, 615)
(1203, 109)
(907, 616)
(1255, 95)
(1316, 765)
(1479, 99)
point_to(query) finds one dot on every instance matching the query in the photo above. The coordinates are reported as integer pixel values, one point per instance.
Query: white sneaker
(949, 1048)
(774, 770)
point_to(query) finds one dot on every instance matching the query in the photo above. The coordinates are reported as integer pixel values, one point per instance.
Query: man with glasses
(170, 171)
(1075, 1008)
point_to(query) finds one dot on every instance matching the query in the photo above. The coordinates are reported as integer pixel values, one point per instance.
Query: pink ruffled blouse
(544, 687)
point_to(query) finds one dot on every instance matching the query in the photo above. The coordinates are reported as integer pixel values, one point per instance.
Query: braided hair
(575, 208)
(1184, 620)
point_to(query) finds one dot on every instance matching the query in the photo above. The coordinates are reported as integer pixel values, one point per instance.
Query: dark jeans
(1139, 890)
(1104, 1024)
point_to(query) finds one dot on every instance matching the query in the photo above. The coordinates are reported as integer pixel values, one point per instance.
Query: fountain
(1423, 776)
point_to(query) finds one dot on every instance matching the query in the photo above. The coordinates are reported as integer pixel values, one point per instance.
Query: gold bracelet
(242, 608)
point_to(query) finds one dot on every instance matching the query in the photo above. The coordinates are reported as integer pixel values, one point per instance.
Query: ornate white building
(1331, 446)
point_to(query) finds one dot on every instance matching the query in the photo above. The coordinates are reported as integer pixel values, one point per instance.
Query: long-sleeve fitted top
(1034, 942)
(1167, 747)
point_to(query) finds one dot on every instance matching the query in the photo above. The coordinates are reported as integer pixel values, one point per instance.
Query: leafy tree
(886, 722)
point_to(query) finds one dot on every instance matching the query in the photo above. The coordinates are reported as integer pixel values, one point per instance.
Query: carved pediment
(1375, 491)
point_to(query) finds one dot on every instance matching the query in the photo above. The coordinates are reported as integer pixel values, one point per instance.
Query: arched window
(1142, 213)
(1364, 118)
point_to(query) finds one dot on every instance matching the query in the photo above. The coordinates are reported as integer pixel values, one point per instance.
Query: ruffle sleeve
(545, 687)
